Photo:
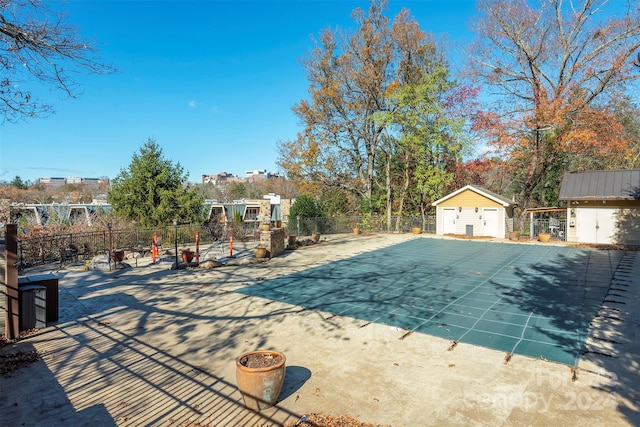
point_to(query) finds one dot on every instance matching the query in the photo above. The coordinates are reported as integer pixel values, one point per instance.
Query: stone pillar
(285, 210)
(265, 210)
(273, 240)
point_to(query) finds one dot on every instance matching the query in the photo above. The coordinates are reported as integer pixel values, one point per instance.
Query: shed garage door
(490, 222)
(448, 220)
(596, 225)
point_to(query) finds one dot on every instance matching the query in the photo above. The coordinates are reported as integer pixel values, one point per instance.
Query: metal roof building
(603, 206)
(601, 185)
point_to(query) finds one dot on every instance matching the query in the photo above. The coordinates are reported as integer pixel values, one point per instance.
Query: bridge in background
(270, 208)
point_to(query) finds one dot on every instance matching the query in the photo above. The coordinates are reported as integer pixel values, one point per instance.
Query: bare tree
(348, 75)
(37, 44)
(548, 63)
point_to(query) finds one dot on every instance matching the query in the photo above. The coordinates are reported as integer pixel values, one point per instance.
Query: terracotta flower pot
(118, 256)
(356, 230)
(187, 256)
(292, 240)
(416, 230)
(260, 375)
(315, 236)
(260, 252)
(514, 235)
(544, 237)
(277, 224)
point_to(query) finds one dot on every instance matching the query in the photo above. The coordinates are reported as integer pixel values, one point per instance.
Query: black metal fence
(34, 251)
(530, 228)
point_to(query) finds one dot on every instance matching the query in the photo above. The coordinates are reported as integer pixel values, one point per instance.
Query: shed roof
(482, 191)
(601, 185)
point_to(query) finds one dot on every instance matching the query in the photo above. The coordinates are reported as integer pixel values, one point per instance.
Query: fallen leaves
(406, 335)
(321, 420)
(16, 360)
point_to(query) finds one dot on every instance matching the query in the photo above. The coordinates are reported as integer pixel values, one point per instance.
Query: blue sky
(212, 81)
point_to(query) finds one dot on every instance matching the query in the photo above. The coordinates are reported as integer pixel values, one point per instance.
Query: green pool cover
(533, 300)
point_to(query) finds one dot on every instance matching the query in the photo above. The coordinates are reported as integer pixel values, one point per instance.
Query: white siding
(607, 225)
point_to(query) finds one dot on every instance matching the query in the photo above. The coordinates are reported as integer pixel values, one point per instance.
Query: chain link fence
(339, 225)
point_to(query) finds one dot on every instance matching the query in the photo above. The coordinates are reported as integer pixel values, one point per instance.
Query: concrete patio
(154, 346)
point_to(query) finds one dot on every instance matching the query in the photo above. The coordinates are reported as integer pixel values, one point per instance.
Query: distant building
(260, 175)
(224, 178)
(59, 182)
(74, 180)
(94, 182)
(219, 179)
(52, 182)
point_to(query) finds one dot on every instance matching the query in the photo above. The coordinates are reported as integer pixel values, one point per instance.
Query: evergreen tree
(19, 183)
(153, 192)
(307, 207)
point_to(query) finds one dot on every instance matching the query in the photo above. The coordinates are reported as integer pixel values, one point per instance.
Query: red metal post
(197, 246)
(154, 248)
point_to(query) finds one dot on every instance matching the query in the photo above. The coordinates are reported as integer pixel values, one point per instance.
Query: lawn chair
(68, 253)
(554, 227)
(87, 251)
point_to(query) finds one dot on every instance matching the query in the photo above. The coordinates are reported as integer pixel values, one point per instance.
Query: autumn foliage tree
(426, 118)
(377, 96)
(487, 172)
(549, 69)
(627, 113)
(348, 75)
